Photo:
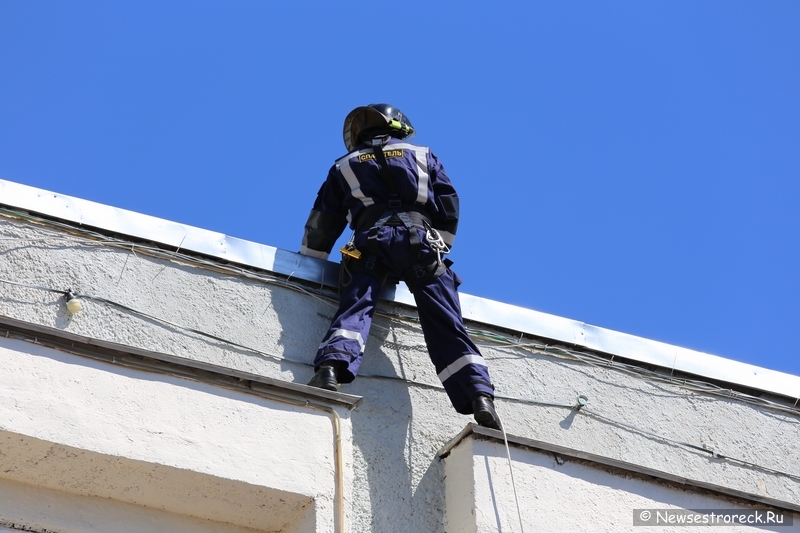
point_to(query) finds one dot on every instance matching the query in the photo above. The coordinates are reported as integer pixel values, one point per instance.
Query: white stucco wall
(558, 494)
(394, 480)
(71, 424)
(40, 509)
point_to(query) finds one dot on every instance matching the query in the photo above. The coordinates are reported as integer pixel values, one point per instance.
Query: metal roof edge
(490, 312)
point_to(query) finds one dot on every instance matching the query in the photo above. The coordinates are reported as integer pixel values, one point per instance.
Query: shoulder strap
(394, 204)
(386, 176)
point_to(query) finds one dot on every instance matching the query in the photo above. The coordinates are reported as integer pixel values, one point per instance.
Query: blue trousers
(458, 362)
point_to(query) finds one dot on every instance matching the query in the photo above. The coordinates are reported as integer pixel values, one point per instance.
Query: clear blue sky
(634, 165)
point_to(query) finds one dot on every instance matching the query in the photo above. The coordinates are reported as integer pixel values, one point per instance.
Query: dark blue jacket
(354, 183)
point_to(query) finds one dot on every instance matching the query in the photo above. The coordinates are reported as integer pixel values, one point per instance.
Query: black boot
(325, 378)
(485, 415)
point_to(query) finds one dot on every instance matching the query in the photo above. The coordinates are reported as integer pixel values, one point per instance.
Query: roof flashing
(323, 273)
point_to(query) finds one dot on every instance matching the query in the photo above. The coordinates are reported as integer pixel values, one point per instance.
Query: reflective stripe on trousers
(345, 334)
(458, 364)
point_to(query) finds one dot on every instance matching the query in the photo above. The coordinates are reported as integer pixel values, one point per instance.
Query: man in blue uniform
(403, 210)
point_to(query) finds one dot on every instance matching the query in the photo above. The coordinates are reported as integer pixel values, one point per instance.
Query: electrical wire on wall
(498, 341)
(527, 401)
(330, 298)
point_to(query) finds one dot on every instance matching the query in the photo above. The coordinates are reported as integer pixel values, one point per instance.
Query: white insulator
(74, 305)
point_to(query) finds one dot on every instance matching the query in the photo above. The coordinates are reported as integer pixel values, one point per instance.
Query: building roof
(564, 331)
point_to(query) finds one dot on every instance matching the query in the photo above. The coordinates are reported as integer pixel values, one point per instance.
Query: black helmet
(368, 121)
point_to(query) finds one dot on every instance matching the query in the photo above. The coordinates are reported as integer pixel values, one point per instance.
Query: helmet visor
(359, 120)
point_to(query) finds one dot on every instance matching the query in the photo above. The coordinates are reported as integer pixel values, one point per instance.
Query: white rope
(511, 470)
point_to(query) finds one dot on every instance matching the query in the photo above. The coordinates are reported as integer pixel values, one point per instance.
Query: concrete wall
(94, 429)
(394, 481)
(41, 509)
(558, 493)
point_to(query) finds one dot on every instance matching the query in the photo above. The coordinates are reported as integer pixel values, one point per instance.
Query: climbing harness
(349, 251)
(395, 213)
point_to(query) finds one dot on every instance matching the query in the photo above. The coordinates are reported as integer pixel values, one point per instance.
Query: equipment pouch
(350, 250)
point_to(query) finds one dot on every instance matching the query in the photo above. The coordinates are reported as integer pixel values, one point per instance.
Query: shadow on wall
(303, 322)
(303, 318)
(382, 434)
(393, 438)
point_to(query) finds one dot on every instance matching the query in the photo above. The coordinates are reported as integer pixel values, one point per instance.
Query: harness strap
(378, 216)
(372, 240)
(413, 235)
(386, 175)
(395, 205)
(371, 214)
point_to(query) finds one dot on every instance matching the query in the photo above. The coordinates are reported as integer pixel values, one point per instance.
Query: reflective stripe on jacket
(354, 183)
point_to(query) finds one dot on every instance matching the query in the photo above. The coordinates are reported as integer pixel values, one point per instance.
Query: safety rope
(511, 471)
